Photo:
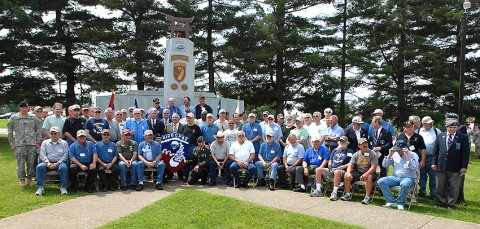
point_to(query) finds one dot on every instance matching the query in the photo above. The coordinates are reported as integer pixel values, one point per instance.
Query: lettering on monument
(179, 57)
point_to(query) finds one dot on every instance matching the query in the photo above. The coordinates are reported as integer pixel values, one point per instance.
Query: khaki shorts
(329, 176)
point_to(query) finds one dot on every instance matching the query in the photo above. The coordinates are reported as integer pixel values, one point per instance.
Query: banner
(176, 150)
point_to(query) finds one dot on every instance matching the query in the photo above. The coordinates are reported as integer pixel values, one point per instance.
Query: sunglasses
(328, 112)
(127, 135)
(241, 135)
(39, 111)
(96, 112)
(270, 119)
(106, 134)
(118, 114)
(219, 137)
(268, 136)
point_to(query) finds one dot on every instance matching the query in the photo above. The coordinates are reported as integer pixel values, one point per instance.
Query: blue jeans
(160, 169)
(250, 171)
(386, 182)
(273, 170)
(424, 172)
(123, 173)
(62, 170)
(213, 170)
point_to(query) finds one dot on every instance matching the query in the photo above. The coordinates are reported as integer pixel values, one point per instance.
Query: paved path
(95, 210)
(3, 131)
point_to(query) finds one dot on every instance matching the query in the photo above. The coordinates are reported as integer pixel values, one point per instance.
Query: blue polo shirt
(140, 127)
(84, 154)
(208, 131)
(145, 149)
(269, 152)
(106, 151)
(336, 131)
(316, 157)
(252, 131)
(95, 127)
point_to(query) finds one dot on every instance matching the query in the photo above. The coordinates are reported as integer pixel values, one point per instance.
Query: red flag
(112, 103)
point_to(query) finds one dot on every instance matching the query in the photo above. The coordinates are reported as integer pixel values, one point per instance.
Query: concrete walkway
(95, 210)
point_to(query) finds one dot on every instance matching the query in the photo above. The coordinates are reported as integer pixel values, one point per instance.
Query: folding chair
(357, 184)
(243, 173)
(412, 194)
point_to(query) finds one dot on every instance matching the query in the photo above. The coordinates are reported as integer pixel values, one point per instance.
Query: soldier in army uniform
(199, 163)
(26, 141)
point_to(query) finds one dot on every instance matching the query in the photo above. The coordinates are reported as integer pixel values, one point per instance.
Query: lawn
(3, 123)
(192, 208)
(15, 199)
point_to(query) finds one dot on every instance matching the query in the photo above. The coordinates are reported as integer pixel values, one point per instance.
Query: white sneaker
(333, 196)
(390, 205)
(400, 207)
(63, 191)
(40, 191)
(316, 193)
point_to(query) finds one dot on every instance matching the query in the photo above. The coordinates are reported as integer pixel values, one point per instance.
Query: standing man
(94, 126)
(292, 158)
(209, 129)
(54, 120)
(380, 141)
(237, 121)
(115, 132)
(155, 106)
(301, 133)
(53, 157)
(203, 120)
(355, 132)
(150, 156)
(220, 149)
(332, 133)
(253, 133)
(405, 165)
(85, 112)
(429, 134)
(27, 140)
(191, 130)
(186, 105)
(155, 124)
(387, 125)
(221, 122)
(450, 159)
(175, 126)
(127, 155)
(73, 124)
(166, 117)
(173, 109)
(268, 158)
(201, 107)
(242, 154)
(137, 126)
(270, 125)
(119, 118)
(83, 156)
(107, 160)
(231, 133)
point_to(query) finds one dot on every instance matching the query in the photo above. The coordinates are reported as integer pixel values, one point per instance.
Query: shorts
(356, 176)
(329, 176)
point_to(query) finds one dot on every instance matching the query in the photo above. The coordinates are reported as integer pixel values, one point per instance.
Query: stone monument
(179, 63)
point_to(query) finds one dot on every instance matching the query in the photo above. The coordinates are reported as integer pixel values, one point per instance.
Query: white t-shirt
(242, 151)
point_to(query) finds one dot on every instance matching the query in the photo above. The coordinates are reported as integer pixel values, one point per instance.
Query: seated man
(242, 154)
(337, 165)
(405, 165)
(268, 158)
(84, 156)
(219, 149)
(292, 158)
(127, 153)
(107, 160)
(316, 157)
(362, 167)
(150, 156)
(53, 157)
(200, 161)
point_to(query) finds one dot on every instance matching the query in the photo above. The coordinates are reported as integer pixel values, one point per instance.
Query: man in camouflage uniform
(27, 140)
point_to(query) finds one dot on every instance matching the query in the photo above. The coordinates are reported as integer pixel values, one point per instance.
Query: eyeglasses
(270, 119)
(157, 102)
(220, 137)
(39, 111)
(268, 136)
(315, 116)
(241, 136)
(230, 124)
(98, 112)
(53, 133)
(136, 113)
(127, 135)
(106, 134)
(118, 114)
(328, 112)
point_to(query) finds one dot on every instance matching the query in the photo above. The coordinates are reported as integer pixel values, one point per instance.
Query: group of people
(268, 148)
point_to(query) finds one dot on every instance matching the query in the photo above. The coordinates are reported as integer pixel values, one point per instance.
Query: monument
(179, 63)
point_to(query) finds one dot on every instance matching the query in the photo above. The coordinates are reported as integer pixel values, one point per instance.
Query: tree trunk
(279, 85)
(343, 77)
(210, 61)
(69, 69)
(139, 56)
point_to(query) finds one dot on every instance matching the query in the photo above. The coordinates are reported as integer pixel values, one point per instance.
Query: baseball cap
(221, 111)
(75, 106)
(219, 134)
(400, 144)
(270, 133)
(124, 110)
(38, 108)
(251, 115)
(378, 111)
(81, 133)
(427, 119)
(362, 140)
(299, 119)
(266, 113)
(190, 115)
(131, 108)
(23, 103)
(85, 107)
(204, 111)
(451, 115)
(209, 115)
(54, 128)
(148, 132)
(408, 123)
(156, 100)
(451, 123)
(343, 138)
(357, 119)
(315, 138)
(328, 110)
(105, 131)
(271, 116)
(125, 131)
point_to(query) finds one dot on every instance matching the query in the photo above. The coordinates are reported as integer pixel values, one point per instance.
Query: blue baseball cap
(400, 144)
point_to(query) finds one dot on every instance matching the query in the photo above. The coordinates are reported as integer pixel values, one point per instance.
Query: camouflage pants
(26, 155)
(477, 151)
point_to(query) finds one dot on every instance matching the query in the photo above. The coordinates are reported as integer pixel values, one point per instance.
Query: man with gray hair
(332, 133)
(115, 133)
(173, 109)
(292, 158)
(57, 119)
(429, 134)
(416, 122)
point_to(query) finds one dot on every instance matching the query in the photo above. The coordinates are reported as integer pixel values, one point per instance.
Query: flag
(112, 101)
(237, 110)
(90, 102)
(135, 104)
(219, 106)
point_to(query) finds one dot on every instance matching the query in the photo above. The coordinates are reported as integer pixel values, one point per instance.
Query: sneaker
(40, 191)
(400, 207)
(139, 187)
(346, 197)
(132, 187)
(390, 205)
(316, 193)
(30, 181)
(63, 191)
(271, 185)
(414, 199)
(123, 188)
(333, 196)
(22, 183)
(261, 182)
(367, 200)
(299, 189)
(158, 186)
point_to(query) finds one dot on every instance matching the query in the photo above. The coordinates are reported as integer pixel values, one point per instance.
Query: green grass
(3, 123)
(192, 208)
(15, 199)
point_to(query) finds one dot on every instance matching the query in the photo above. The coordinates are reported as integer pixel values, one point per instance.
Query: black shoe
(261, 182)
(451, 208)
(272, 185)
(462, 202)
(139, 187)
(132, 187)
(123, 188)
(104, 189)
(237, 185)
(158, 186)
(245, 185)
(212, 183)
(299, 189)
(202, 182)
(112, 188)
(229, 183)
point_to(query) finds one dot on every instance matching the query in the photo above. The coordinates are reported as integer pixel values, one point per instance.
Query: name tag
(412, 148)
(382, 142)
(143, 150)
(458, 146)
(255, 129)
(60, 150)
(319, 158)
(82, 154)
(349, 155)
(276, 128)
(272, 151)
(131, 148)
(110, 150)
(405, 166)
(366, 154)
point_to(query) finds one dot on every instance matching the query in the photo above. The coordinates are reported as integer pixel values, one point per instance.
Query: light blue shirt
(336, 131)
(183, 108)
(401, 167)
(208, 131)
(174, 110)
(106, 151)
(251, 132)
(275, 128)
(140, 127)
(429, 138)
